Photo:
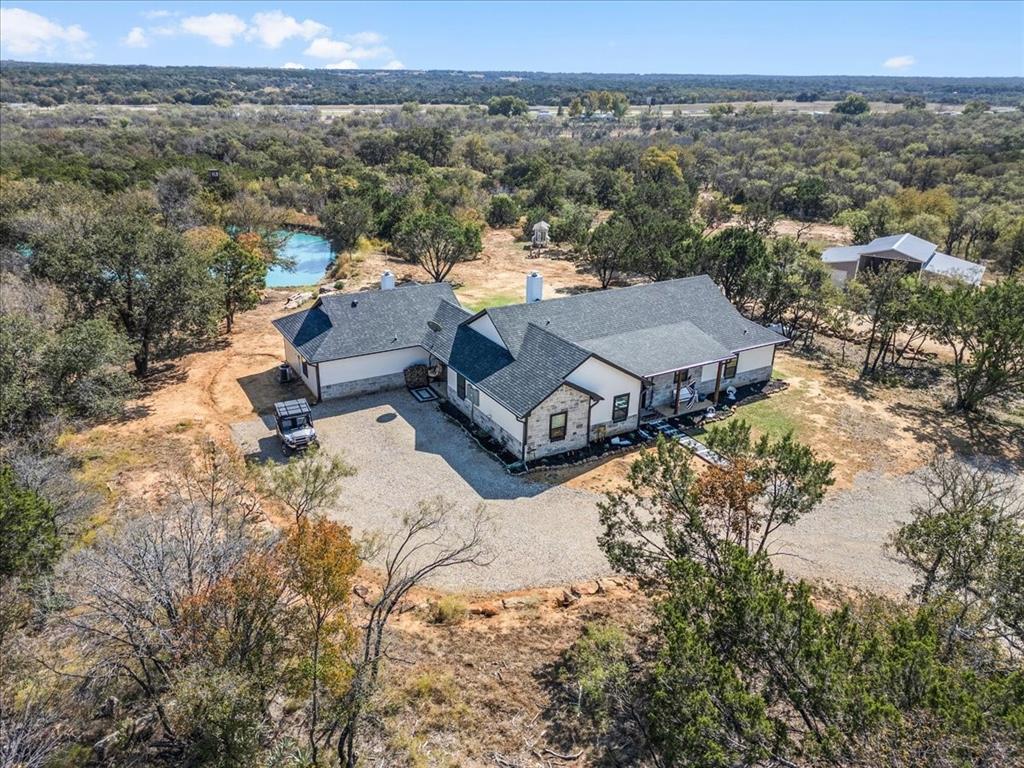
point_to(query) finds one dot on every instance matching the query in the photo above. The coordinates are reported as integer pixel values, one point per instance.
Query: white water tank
(387, 281)
(534, 287)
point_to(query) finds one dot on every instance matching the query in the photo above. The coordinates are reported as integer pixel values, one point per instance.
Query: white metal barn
(844, 262)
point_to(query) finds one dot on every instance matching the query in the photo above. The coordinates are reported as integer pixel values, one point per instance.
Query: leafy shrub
(448, 610)
(502, 212)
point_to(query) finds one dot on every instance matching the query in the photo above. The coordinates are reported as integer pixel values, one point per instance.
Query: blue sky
(865, 38)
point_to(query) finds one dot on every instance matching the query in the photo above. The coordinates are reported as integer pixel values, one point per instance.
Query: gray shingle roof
(352, 324)
(448, 318)
(543, 362)
(645, 329)
(608, 320)
(659, 350)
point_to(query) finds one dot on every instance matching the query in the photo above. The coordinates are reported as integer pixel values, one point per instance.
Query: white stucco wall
(759, 357)
(367, 366)
(485, 327)
(606, 381)
(501, 416)
(293, 359)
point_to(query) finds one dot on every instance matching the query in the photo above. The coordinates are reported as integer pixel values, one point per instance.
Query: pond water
(311, 254)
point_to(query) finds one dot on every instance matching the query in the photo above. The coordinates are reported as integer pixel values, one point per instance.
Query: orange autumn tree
(321, 560)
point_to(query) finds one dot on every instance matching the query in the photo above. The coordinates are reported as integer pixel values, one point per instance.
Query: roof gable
(353, 324)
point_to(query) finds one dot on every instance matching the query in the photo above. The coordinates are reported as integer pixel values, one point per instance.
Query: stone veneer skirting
(511, 442)
(612, 428)
(739, 380)
(362, 386)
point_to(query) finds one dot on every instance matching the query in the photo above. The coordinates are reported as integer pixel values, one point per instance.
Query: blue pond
(312, 255)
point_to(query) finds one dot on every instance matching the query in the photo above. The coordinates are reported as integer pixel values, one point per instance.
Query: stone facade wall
(512, 443)
(611, 428)
(362, 386)
(564, 398)
(664, 389)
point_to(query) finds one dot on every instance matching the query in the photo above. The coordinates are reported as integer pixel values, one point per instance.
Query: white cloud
(136, 38)
(365, 38)
(378, 52)
(394, 64)
(292, 65)
(273, 28)
(325, 48)
(23, 32)
(899, 62)
(346, 64)
(219, 28)
(158, 14)
(356, 47)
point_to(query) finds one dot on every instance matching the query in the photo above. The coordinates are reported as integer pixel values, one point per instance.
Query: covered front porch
(684, 390)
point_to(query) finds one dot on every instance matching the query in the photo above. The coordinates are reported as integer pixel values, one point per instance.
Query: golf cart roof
(292, 408)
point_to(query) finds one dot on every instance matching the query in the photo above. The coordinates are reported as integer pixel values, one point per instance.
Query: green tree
(666, 513)
(77, 372)
(976, 107)
(345, 221)
(608, 251)
(965, 543)
(241, 275)
(113, 262)
(984, 329)
(508, 106)
(30, 542)
(737, 259)
(437, 242)
(502, 212)
(853, 104)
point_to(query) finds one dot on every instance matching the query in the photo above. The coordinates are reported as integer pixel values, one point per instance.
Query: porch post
(718, 382)
(675, 403)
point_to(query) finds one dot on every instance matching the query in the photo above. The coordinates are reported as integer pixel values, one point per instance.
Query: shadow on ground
(263, 389)
(373, 432)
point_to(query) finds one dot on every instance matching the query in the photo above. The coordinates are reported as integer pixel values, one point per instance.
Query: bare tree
(30, 732)
(426, 544)
(131, 587)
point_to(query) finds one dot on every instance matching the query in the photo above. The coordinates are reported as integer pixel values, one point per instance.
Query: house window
(620, 407)
(556, 426)
(305, 369)
(730, 368)
(473, 394)
(460, 386)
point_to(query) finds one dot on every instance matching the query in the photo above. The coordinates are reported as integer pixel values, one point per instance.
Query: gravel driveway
(405, 451)
(546, 535)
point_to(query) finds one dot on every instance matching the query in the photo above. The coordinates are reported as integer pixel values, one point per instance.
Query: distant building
(915, 253)
(540, 233)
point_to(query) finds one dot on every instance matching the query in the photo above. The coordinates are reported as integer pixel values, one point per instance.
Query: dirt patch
(497, 276)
